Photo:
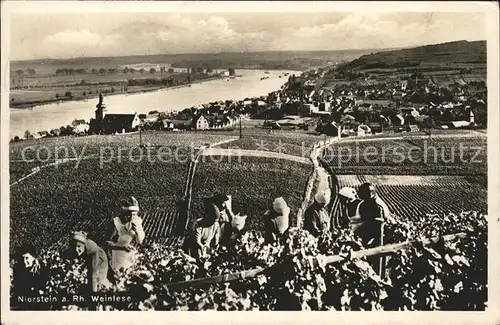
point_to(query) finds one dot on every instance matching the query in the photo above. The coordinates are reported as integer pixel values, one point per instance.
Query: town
(360, 107)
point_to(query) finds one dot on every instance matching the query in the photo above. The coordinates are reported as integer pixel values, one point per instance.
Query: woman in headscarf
(276, 221)
(127, 234)
(95, 259)
(232, 223)
(350, 208)
(316, 218)
(207, 230)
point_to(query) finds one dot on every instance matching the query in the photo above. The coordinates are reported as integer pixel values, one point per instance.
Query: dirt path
(253, 153)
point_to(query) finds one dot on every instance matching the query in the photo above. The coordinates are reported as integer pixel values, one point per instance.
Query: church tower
(101, 107)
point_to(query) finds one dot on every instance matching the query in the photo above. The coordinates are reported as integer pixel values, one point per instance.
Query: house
(324, 107)
(413, 128)
(458, 124)
(55, 132)
(151, 118)
(201, 123)
(399, 120)
(306, 109)
(164, 125)
(410, 111)
(81, 129)
(328, 128)
(365, 107)
(120, 123)
(471, 117)
(364, 130)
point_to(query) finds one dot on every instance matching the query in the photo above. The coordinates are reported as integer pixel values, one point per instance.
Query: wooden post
(241, 135)
(140, 136)
(382, 258)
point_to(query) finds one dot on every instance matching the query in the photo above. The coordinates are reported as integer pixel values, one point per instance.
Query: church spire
(101, 107)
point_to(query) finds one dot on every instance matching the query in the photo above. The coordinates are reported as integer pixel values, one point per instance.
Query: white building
(202, 123)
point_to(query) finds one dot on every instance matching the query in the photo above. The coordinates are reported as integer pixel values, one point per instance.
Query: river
(50, 116)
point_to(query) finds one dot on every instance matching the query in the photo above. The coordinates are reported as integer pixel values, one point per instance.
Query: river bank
(55, 115)
(131, 90)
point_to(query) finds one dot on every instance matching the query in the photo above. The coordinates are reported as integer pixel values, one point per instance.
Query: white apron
(122, 260)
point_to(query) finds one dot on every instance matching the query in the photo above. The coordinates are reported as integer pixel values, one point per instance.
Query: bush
(443, 276)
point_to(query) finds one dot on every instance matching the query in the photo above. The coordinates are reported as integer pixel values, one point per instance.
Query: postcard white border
(491, 316)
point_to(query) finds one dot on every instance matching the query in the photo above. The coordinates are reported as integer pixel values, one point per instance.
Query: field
(291, 146)
(254, 183)
(411, 156)
(50, 204)
(462, 52)
(84, 193)
(39, 90)
(411, 196)
(444, 64)
(71, 146)
(108, 168)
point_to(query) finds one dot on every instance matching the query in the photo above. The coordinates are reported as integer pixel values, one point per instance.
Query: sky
(62, 35)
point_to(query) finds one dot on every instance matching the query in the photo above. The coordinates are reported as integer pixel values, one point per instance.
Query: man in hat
(374, 212)
(350, 205)
(95, 259)
(127, 234)
(316, 218)
(276, 221)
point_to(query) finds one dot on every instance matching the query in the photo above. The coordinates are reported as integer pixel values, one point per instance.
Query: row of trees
(62, 131)
(30, 72)
(126, 71)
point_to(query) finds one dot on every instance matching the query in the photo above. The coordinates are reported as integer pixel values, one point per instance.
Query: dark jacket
(29, 283)
(372, 216)
(275, 226)
(316, 220)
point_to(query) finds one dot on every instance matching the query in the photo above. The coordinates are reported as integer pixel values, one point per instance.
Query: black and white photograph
(268, 158)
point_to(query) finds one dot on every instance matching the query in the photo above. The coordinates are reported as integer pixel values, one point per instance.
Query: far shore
(32, 104)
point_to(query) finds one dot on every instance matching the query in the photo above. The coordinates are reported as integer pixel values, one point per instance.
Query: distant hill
(224, 60)
(445, 53)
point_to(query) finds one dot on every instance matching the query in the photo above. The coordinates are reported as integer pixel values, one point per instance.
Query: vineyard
(50, 204)
(307, 273)
(291, 146)
(412, 156)
(442, 275)
(71, 146)
(253, 182)
(410, 196)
